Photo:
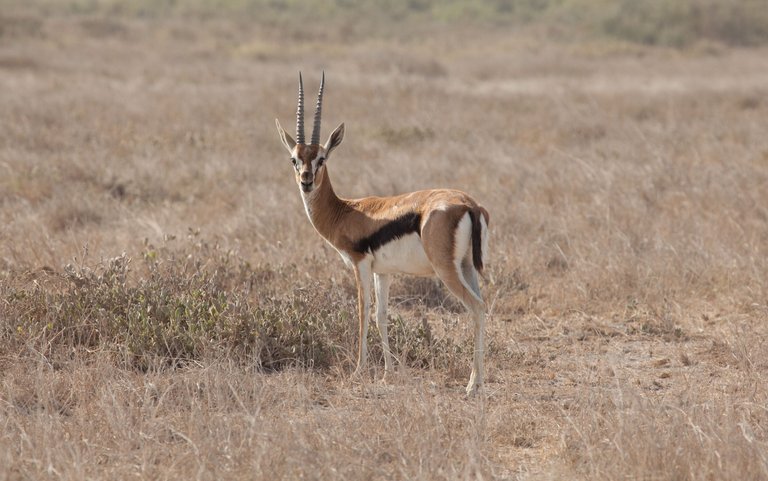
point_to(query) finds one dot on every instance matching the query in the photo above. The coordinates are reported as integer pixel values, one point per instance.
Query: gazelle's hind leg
(452, 262)
(477, 311)
(453, 281)
(470, 274)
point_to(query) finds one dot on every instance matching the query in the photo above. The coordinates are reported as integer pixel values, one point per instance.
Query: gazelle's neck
(323, 207)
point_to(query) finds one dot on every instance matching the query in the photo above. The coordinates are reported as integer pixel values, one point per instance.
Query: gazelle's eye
(320, 161)
(293, 161)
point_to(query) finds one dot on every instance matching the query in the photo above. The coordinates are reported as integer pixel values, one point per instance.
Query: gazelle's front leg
(364, 278)
(381, 288)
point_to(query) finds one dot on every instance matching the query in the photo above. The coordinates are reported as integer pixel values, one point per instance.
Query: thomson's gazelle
(439, 232)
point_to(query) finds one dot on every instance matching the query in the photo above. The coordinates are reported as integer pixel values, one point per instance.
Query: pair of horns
(300, 113)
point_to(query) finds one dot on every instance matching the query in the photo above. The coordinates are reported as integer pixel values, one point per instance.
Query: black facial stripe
(318, 163)
(403, 225)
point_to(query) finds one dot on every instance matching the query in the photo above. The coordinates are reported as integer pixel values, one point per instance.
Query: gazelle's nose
(306, 177)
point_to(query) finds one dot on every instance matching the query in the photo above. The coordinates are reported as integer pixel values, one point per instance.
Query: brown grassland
(168, 312)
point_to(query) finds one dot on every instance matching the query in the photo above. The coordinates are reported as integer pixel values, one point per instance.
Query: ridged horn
(300, 113)
(318, 113)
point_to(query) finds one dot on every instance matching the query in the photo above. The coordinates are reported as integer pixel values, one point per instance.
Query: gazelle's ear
(286, 139)
(334, 140)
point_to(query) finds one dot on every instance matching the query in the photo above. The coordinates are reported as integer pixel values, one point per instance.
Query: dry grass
(627, 188)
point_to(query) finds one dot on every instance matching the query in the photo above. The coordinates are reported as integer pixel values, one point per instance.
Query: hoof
(472, 390)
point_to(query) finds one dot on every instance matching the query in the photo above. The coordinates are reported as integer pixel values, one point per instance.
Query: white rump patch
(462, 249)
(463, 239)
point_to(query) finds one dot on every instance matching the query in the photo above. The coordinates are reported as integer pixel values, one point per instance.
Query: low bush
(188, 304)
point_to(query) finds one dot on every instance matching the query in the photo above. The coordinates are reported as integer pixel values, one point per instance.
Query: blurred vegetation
(679, 23)
(673, 23)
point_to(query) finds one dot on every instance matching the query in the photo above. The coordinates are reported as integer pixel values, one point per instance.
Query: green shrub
(190, 304)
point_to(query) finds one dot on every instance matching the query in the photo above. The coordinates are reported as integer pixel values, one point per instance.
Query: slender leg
(470, 275)
(364, 278)
(460, 287)
(453, 265)
(477, 312)
(476, 378)
(381, 288)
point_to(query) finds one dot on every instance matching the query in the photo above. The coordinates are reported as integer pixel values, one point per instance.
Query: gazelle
(438, 232)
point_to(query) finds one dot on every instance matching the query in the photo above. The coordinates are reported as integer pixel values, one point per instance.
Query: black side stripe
(403, 225)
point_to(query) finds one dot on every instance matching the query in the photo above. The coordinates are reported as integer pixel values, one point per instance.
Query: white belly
(404, 255)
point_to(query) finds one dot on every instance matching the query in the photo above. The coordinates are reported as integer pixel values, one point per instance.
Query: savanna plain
(168, 312)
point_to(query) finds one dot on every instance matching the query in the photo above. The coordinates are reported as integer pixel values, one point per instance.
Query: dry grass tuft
(166, 311)
(700, 435)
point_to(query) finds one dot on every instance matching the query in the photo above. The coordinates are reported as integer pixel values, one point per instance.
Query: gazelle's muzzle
(307, 179)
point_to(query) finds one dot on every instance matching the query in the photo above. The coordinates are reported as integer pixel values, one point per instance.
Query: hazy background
(166, 309)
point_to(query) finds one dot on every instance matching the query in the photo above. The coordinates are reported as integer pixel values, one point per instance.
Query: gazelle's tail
(478, 216)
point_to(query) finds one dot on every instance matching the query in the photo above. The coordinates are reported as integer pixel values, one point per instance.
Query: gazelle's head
(309, 159)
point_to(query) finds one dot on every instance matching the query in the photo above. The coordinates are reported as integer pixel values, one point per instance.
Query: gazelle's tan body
(438, 232)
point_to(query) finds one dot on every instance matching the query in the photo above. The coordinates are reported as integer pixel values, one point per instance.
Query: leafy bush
(181, 306)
